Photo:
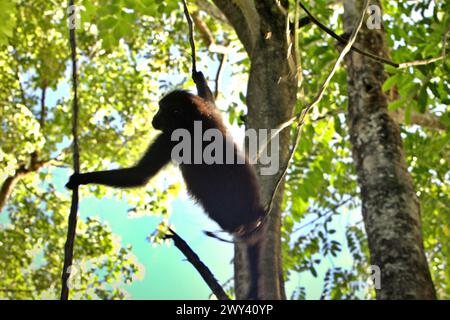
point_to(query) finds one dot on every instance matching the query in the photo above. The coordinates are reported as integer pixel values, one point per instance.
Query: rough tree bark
(390, 207)
(271, 96)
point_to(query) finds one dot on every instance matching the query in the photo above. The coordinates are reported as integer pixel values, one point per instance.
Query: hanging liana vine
(72, 223)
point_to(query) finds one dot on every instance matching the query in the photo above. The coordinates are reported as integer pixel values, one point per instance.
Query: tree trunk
(390, 207)
(271, 97)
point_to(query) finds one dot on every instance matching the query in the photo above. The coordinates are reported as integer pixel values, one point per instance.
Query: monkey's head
(178, 109)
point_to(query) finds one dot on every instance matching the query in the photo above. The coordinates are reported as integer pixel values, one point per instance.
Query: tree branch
(246, 30)
(425, 120)
(222, 60)
(11, 181)
(212, 10)
(204, 271)
(7, 187)
(344, 41)
(208, 38)
(207, 35)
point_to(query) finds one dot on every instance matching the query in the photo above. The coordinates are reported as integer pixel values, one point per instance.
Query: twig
(207, 36)
(302, 115)
(428, 61)
(43, 114)
(191, 36)
(222, 59)
(344, 41)
(204, 271)
(72, 223)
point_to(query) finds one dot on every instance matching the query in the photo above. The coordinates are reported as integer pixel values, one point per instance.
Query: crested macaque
(228, 191)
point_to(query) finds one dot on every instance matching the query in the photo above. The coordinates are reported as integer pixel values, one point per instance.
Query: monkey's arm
(155, 158)
(203, 89)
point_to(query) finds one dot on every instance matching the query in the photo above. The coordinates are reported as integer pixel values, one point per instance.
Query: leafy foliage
(129, 52)
(322, 175)
(37, 231)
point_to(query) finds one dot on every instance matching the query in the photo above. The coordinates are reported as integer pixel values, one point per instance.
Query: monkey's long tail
(253, 253)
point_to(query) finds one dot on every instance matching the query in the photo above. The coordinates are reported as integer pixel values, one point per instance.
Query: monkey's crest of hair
(198, 107)
(186, 99)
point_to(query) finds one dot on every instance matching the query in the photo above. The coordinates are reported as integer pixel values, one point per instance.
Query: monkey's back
(229, 193)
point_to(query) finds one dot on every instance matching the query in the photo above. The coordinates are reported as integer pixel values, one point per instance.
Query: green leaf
(396, 104)
(108, 23)
(422, 99)
(390, 82)
(408, 111)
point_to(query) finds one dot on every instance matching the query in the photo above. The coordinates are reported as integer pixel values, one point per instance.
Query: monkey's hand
(198, 77)
(202, 86)
(74, 181)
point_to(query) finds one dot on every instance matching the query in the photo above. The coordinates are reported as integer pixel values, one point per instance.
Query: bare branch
(222, 60)
(11, 181)
(207, 35)
(209, 40)
(344, 41)
(7, 187)
(204, 271)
